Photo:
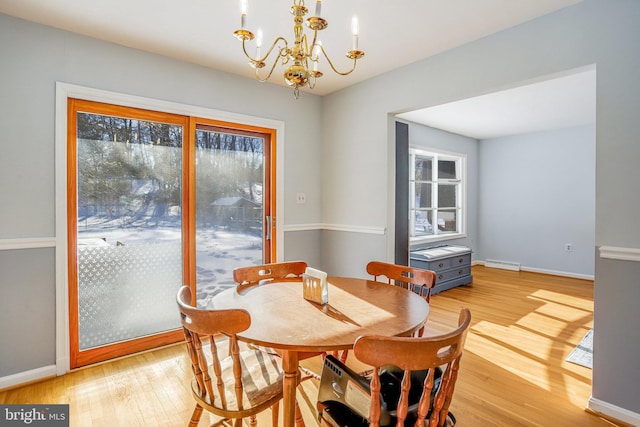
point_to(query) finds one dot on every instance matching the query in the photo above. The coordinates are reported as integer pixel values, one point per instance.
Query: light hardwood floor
(513, 370)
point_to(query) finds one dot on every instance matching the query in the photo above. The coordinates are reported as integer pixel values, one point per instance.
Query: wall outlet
(568, 247)
(301, 198)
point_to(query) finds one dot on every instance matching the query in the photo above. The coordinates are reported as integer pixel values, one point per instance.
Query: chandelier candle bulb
(318, 7)
(258, 43)
(354, 31)
(244, 5)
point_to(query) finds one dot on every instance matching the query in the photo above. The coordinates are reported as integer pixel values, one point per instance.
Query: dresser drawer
(460, 261)
(436, 266)
(447, 263)
(452, 274)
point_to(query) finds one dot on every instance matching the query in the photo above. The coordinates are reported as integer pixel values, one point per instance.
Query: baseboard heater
(505, 265)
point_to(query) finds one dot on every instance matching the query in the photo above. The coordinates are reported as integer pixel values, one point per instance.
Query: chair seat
(336, 414)
(262, 378)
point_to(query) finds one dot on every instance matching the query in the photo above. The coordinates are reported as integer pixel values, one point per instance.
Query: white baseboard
(614, 411)
(559, 273)
(488, 263)
(504, 265)
(27, 376)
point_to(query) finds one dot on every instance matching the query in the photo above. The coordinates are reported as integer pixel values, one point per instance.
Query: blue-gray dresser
(451, 263)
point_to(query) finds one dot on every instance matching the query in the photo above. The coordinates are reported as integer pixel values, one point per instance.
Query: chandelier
(302, 58)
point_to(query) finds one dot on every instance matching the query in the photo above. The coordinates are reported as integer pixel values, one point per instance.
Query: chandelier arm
(273, 45)
(315, 42)
(304, 43)
(273, 66)
(335, 70)
(284, 55)
(307, 54)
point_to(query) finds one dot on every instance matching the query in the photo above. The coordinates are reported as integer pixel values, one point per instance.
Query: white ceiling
(552, 104)
(392, 33)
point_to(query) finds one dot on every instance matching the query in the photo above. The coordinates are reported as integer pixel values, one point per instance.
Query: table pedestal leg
(290, 368)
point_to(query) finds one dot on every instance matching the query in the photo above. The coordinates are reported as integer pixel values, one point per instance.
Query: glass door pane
(129, 227)
(230, 206)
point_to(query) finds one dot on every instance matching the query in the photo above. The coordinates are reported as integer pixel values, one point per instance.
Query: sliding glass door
(156, 201)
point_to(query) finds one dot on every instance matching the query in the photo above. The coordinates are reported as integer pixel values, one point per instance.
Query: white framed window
(436, 195)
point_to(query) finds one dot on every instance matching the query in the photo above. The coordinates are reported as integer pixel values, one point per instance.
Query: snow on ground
(218, 250)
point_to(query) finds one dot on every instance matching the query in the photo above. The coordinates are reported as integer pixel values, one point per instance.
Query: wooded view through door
(155, 201)
(232, 219)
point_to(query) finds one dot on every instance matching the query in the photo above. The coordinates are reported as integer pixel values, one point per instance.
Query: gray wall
(358, 138)
(537, 193)
(34, 58)
(27, 288)
(616, 334)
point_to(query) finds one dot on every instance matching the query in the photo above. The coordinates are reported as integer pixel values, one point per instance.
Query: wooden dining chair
(415, 377)
(254, 274)
(416, 280)
(235, 384)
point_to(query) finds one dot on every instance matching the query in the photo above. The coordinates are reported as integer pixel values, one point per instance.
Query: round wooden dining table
(282, 319)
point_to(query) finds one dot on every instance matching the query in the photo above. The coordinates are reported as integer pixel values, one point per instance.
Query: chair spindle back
(415, 354)
(224, 382)
(415, 279)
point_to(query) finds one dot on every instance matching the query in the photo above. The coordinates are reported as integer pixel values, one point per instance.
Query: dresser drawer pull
(440, 277)
(441, 264)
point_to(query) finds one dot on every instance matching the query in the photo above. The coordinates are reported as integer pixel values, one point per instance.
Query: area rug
(583, 353)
